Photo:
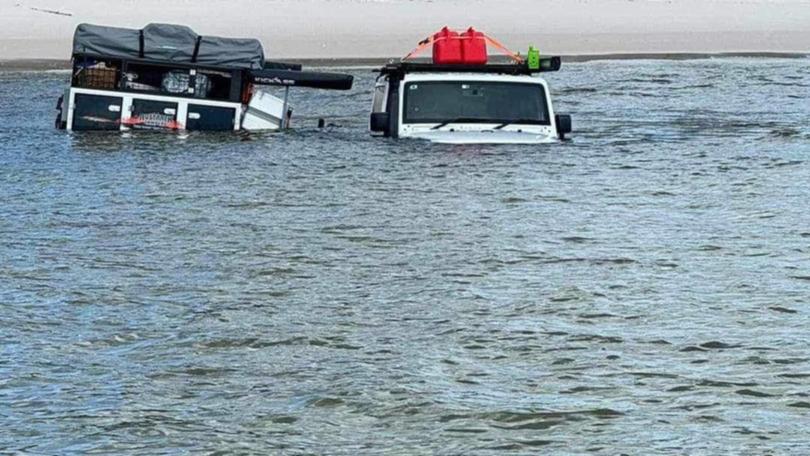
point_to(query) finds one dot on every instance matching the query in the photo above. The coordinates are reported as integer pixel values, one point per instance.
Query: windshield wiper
(517, 121)
(501, 123)
(459, 120)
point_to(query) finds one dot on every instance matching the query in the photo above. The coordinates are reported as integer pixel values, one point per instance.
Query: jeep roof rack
(547, 64)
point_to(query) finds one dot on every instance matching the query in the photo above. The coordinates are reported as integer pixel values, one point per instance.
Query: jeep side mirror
(563, 122)
(379, 122)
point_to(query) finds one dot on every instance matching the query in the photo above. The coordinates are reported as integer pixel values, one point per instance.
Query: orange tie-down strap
(424, 44)
(429, 41)
(512, 55)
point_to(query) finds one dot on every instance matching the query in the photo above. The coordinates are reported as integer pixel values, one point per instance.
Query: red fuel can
(474, 47)
(447, 47)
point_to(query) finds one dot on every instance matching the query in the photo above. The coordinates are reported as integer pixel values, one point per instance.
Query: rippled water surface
(641, 289)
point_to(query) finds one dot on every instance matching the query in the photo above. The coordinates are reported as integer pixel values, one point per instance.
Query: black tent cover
(169, 43)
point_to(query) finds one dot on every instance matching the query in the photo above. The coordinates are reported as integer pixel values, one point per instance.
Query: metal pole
(284, 118)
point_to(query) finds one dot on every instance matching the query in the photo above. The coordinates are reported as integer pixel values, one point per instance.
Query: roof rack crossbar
(546, 65)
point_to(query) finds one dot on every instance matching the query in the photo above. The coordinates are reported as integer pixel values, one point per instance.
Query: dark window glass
(491, 102)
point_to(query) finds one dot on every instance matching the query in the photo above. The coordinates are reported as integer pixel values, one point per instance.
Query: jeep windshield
(446, 102)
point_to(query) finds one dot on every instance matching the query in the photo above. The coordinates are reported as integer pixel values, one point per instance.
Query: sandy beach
(317, 29)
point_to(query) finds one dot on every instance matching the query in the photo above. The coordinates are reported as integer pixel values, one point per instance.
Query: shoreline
(331, 30)
(40, 65)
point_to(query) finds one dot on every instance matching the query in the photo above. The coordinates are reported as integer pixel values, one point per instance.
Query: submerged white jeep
(467, 104)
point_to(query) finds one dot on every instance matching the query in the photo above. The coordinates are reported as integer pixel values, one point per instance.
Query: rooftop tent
(231, 52)
(106, 41)
(174, 43)
(169, 43)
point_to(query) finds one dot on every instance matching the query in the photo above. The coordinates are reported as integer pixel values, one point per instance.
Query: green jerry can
(533, 58)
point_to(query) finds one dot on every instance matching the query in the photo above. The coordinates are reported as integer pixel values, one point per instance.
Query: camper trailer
(170, 78)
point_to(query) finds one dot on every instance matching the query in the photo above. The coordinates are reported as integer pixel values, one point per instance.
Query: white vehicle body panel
(128, 98)
(483, 134)
(265, 110)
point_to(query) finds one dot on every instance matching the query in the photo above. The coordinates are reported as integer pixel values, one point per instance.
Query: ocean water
(640, 289)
